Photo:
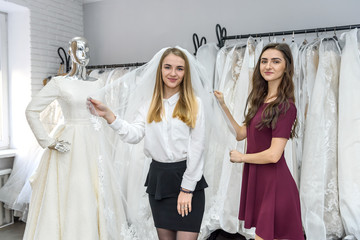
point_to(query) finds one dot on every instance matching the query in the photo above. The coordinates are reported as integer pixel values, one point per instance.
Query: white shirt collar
(173, 99)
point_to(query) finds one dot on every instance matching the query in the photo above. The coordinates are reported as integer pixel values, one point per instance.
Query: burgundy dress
(269, 195)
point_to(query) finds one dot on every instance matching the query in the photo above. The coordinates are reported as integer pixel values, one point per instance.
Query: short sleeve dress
(269, 195)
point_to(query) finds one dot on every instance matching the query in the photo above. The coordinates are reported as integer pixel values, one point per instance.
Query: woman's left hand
(184, 203)
(236, 156)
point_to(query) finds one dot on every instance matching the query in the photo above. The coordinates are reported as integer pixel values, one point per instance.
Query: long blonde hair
(186, 108)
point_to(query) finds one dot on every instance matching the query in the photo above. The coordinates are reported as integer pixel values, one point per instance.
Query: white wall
(36, 29)
(52, 24)
(122, 31)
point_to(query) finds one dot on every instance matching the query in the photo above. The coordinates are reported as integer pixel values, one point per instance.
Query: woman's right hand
(97, 108)
(220, 97)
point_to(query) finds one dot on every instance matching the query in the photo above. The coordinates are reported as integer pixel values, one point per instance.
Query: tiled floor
(16, 231)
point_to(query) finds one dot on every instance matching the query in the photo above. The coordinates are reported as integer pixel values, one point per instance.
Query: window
(4, 91)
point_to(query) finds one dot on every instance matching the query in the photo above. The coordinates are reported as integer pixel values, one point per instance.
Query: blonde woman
(173, 127)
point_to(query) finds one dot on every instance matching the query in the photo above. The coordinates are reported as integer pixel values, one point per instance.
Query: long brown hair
(285, 91)
(186, 108)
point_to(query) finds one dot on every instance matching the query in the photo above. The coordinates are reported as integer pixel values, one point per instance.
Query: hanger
(305, 40)
(220, 34)
(335, 37)
(317, 35)
(46, 80)
(198, 43)
(67, 59)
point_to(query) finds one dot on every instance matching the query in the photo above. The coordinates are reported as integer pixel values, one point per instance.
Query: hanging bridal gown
(306, 64)
(126, 165)
(213, 216)
(258, 49)
(219, 66)
(318, 182)
(206, 55)
(349, 134)
(298, 79)
(241, 92)
(312, 62)
(66, 201)
(223, 212)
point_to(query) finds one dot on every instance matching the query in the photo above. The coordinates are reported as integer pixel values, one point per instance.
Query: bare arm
(270, 155)
(240, 130)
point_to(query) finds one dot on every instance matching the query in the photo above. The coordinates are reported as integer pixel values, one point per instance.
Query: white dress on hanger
(206, 55)
(349, 134)
(298, 78)
(312, 62)
(66, 201)
(306, 61)
(235, 82)
(219, 66)
(258, 49)
(318, 182)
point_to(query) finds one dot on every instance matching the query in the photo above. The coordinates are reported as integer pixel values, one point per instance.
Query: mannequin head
(80, 57)
(79, 51)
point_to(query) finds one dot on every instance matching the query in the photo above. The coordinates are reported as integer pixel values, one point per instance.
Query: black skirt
(163, 186)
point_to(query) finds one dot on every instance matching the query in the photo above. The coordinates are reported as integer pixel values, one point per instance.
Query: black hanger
(198, 43)
(220, 34)
(67, 59)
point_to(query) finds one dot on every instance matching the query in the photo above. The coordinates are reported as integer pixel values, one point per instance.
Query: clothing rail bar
(137, 64)
(303, 31)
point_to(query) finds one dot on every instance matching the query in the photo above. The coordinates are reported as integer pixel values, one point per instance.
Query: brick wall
(52, 24)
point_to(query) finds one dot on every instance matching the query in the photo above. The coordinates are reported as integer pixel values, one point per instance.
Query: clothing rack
(137, 64)
(292, 32)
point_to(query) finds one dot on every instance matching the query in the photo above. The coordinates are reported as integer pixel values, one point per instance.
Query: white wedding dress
(66, 201)
(207, 55)
(318, 183)
(349, 134)
(224, 201)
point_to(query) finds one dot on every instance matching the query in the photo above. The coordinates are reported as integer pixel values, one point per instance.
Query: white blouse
(170, 140)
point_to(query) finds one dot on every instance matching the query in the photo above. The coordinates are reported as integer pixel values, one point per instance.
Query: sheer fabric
(318, 183)
(128, 165)
(349, 134)
(206, 55)
(235, 84)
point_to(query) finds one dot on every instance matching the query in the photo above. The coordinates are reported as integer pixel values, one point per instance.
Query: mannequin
(66, 201)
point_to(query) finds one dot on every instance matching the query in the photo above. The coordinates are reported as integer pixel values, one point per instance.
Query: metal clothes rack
(292, 32)
(137, 64)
